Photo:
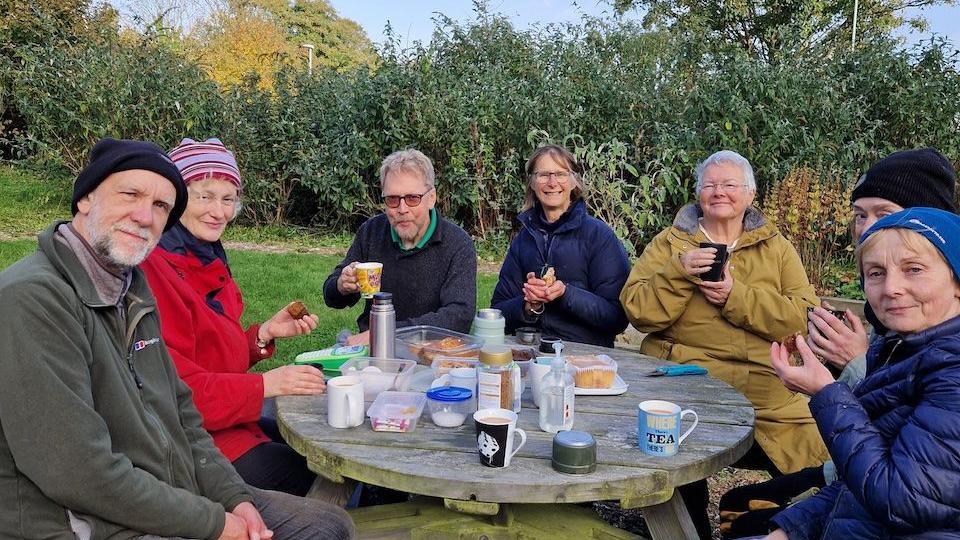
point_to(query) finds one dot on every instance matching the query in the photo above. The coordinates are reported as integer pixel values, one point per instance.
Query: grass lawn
(30, 202)
(268, 280)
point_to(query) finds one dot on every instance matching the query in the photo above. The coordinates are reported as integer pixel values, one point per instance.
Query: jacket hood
(756, 227)
(688, 218)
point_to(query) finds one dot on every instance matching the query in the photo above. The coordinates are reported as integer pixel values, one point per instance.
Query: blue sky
(411, 19)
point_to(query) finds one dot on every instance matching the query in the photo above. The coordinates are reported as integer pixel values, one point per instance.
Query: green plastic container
(331, 359)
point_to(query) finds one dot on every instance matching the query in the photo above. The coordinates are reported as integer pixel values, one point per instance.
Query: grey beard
(103, 247)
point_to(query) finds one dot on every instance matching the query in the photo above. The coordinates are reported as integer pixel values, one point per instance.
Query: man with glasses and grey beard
(429, 263)
(99, 438)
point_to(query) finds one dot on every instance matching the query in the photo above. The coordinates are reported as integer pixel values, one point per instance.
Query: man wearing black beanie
(99, 437)
(112, 156)
(905, 179)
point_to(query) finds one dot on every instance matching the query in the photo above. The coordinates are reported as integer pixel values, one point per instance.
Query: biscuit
(548, 275)
(297, 310)
(790, 344)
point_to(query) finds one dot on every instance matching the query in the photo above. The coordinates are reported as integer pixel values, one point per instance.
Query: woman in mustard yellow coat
(726, 326)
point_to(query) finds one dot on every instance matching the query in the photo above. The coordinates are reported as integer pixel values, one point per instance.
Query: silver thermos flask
(383, 325)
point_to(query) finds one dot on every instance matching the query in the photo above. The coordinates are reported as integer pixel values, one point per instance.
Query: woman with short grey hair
(759, 293)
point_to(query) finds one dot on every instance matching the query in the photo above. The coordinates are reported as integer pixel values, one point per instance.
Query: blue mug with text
(658, 427)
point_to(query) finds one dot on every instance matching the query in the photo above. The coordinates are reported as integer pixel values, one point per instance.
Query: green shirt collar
(426, 236)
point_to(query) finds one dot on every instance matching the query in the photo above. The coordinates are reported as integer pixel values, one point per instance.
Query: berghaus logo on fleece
(142, 344)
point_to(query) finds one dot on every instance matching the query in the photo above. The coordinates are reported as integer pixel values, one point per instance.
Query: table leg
(670, 520)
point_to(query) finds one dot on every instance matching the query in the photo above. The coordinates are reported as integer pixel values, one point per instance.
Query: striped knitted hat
(207, 159)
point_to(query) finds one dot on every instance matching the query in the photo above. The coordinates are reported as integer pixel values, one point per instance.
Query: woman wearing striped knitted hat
(200, 307)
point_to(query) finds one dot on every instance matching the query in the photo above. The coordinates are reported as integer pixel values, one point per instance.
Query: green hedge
(639, 108)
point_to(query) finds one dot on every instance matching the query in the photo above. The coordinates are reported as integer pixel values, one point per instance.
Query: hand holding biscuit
(292, 320)
(809, 377)
(545, 288)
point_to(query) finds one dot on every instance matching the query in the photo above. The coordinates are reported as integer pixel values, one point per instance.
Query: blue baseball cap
(939, 227)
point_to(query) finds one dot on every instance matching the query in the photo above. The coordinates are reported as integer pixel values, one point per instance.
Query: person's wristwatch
(262, 343)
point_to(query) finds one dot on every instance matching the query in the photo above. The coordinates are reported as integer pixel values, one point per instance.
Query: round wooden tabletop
(443, 462)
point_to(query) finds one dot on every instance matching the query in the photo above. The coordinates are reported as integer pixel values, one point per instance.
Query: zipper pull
(136, 377)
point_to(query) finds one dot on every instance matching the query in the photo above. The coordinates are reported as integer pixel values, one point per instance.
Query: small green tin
(574, 452)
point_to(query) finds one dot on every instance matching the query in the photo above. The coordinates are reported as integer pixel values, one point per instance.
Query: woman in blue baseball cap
(895, 438)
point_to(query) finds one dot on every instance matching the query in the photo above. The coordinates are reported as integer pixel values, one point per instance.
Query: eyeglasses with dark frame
(412, 200)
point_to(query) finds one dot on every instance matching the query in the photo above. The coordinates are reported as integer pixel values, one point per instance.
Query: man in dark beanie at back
(905, 179)
(99, 438)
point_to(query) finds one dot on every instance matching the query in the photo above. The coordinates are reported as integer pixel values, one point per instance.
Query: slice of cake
(592, 371)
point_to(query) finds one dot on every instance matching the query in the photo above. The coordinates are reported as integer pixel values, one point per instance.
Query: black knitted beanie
(114, 155)
(909, 178)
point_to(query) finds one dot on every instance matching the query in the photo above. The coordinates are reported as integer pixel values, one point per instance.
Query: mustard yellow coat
(768, 301)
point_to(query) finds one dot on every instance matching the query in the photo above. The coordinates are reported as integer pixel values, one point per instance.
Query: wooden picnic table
(524, 499)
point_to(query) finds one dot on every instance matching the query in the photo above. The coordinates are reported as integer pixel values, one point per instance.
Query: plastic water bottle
(556, 396)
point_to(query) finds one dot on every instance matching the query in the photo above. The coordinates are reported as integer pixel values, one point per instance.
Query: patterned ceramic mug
(658, 427)
(495, 434)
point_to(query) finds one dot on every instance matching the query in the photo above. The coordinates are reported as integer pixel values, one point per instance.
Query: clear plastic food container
(592, 370)
(396, 411)
(425, 343)
(449, 406)
(379, 374)
(443, 364)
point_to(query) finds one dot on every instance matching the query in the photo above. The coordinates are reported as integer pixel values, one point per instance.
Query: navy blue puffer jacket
(590, 260)
(896, 442)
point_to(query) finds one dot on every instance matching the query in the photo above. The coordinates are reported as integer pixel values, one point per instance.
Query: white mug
(345, 401)
(495, 430)
(536, 373)
(463, 377)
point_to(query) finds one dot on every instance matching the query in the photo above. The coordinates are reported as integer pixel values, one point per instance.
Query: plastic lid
(489, 313)
(383, 298)
(574, 439)
(496, 355)
(449, 393)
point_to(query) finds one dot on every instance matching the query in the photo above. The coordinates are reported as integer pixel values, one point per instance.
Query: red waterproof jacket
(212, 352)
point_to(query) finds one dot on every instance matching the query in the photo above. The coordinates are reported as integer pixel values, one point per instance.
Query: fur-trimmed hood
(688, 218)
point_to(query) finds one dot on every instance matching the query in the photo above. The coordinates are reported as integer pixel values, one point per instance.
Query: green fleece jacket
(93, 418)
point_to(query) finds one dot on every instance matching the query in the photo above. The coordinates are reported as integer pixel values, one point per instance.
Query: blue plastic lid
(449, 393)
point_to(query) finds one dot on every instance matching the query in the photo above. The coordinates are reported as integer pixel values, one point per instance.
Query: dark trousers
(696, 495)
(779, 490)
(274, 465)
(289, 517)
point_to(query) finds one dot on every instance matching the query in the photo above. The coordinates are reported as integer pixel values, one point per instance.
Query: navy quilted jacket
(896, 442)
(590, 260)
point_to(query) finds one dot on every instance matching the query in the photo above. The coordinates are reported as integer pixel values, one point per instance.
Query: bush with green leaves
(638, 108)
(71, 94)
